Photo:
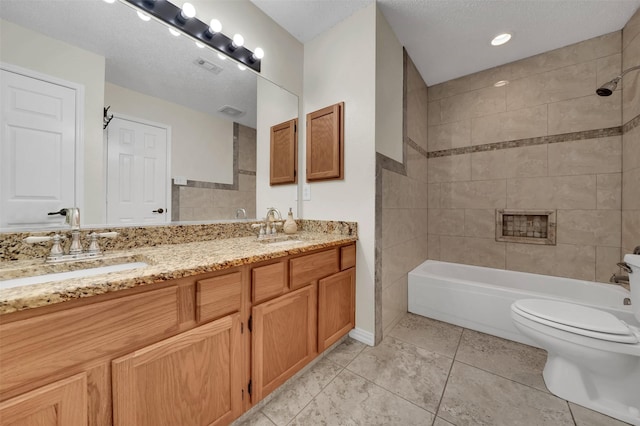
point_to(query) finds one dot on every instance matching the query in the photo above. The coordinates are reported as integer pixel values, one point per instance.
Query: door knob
(160, 210)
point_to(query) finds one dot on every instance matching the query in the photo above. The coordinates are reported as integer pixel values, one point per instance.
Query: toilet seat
(576, 319)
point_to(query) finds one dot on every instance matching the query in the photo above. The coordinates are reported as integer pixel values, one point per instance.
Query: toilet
(593, 357)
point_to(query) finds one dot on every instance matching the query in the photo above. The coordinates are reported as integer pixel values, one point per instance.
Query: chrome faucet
(270, 212)
(71, 214)
(240, 212)
(619, 279)
(76, 252)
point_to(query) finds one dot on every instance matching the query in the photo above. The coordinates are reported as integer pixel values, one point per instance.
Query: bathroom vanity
(197, 337)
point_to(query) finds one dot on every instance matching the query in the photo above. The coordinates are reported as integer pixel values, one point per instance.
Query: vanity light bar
(170, 14)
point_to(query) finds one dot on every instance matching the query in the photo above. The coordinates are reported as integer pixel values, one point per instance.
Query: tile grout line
(571, 413)
(448, 376)
(391, 392)
(342, 368)
(506, 378)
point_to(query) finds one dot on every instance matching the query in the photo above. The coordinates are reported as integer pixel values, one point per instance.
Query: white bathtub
(480, 298)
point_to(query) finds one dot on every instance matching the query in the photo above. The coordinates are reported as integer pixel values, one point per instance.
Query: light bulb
(241, 67)
(238, 40)
(215, 26)
(200, 45)
(259, 53)
(174, 32)
(500, 39)
(222, 57)
(143, 16)
(188, 11)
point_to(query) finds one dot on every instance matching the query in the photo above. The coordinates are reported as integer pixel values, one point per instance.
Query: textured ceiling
(141, 56)
(450, 38)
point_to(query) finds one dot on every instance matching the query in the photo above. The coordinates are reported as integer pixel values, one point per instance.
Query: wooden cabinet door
(284, 153)
(61, 403)
(325, 143)
(194, 378)
(284, 339)
(336, 307)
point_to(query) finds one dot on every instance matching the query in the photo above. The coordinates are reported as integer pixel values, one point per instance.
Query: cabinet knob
(160, 210)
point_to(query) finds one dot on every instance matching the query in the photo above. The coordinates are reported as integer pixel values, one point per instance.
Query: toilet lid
(575, 316)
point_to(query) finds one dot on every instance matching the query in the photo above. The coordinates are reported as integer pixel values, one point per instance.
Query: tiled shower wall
(544, 141)
(401, 227)
(631, 138)
(211, 200)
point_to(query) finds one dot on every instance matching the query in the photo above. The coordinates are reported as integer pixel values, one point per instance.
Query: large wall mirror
(181, 146)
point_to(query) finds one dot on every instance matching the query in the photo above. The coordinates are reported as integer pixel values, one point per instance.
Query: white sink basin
(61, 276)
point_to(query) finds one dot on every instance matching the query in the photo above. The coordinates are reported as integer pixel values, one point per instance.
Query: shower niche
(526, 226)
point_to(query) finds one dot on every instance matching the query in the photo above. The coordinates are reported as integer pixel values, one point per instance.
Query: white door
(37, 151)
(136, 173)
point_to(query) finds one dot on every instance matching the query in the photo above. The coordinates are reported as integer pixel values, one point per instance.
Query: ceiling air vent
(209, 66)
(229, 110)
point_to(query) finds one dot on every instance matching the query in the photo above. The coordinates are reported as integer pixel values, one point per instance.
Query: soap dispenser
(290, 226)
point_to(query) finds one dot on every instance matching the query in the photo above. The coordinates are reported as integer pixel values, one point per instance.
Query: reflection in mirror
(182, 144)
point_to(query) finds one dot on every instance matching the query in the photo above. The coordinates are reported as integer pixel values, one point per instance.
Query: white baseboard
(362, 336)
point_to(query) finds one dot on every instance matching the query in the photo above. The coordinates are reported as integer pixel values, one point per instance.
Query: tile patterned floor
(425, 372)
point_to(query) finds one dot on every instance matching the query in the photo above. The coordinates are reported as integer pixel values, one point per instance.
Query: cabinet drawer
(312, 267)
(36, 348)
(218, 296)
(347, 257)
(268, 281)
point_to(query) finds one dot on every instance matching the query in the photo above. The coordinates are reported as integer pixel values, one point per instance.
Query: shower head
(608, 88)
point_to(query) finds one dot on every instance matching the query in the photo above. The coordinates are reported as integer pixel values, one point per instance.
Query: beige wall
(206, 203)
(631, 138)
(404, 205)
(34, 51)
(275, 106)
(388, 90)
(201, 144)
(332, 75)
(579, 175)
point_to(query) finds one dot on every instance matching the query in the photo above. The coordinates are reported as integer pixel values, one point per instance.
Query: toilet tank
(633, 260)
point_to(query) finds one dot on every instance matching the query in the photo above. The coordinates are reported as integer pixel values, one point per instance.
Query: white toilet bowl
(593, 357)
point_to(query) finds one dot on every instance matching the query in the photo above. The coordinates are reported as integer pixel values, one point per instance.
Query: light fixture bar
(169, 13)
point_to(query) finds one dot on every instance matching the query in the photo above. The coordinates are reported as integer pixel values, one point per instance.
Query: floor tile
(441, 422)
(585, 417)
(475, 397)
(428, 334)
(256, 419)
(296, 394)
(413, 373)
(512, 360)
(345, 352)
(352, 400)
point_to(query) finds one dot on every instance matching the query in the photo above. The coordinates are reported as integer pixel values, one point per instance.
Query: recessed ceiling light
(500, 39)
(501, 83)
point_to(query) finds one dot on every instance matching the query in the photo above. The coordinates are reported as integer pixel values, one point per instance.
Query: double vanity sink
(32, 283)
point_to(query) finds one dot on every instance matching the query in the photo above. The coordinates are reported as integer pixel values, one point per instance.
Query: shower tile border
(631, 124)
(540, 140)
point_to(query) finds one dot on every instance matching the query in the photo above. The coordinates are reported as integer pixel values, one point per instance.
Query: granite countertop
(165, 262)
